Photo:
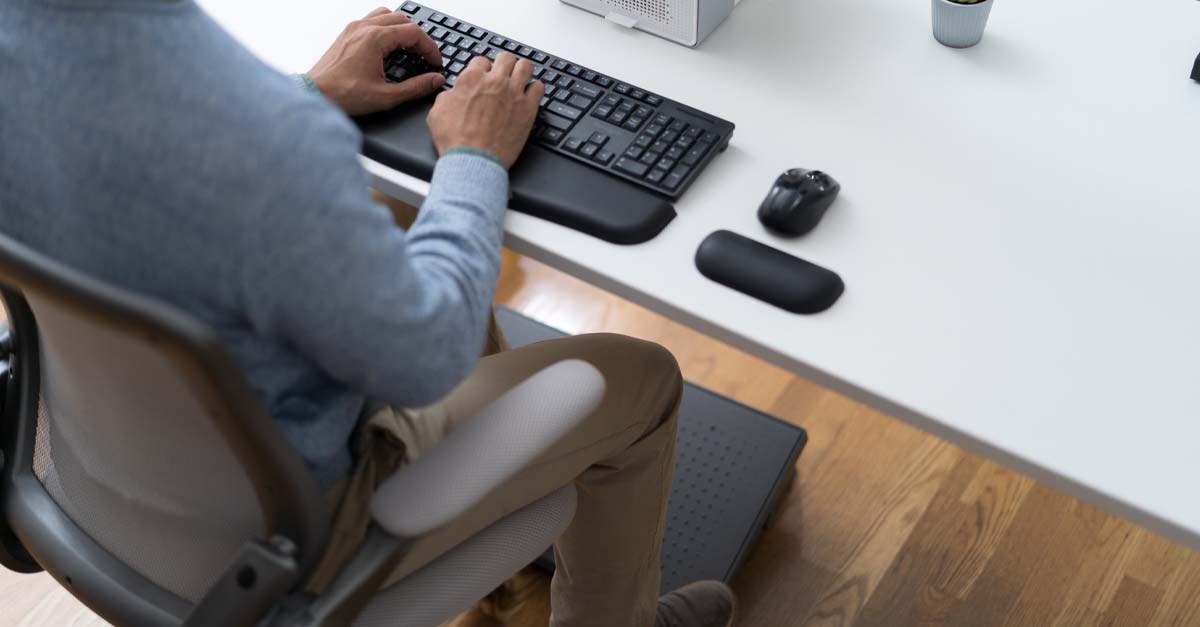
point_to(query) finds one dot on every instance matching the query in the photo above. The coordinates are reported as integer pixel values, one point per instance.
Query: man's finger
(388, 18)
(414, 88)
(503, 67)
(377, 12)
(534, 93)
(409, 37)
(522, 72)
(477, 67)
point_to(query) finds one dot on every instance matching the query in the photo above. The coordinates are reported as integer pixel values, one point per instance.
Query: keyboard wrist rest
(542, 183)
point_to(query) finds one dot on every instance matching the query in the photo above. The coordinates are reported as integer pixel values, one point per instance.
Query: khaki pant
(621, 458)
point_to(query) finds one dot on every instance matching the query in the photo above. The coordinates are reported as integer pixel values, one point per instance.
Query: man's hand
(351, 72)
(492, 107)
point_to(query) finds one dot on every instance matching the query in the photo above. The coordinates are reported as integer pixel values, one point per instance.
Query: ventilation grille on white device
(674, 19)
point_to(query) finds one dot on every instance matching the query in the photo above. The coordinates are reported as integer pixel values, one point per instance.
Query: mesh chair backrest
(147, 436)
(126, 447)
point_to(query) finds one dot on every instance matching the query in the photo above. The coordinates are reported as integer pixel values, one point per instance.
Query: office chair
(138, 468)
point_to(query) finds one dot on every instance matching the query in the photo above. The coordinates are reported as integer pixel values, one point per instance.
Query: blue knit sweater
(140, 143)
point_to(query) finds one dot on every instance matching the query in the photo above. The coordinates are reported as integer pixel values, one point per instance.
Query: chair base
(733, 467)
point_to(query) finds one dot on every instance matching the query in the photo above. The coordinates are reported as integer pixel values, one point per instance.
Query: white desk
(1019, 230)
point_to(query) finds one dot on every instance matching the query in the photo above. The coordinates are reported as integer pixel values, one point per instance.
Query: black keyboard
(587, 116)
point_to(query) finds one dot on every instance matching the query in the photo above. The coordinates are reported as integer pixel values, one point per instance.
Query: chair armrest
(488, 450)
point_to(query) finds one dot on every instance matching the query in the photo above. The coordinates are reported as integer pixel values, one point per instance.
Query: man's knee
(640, 368)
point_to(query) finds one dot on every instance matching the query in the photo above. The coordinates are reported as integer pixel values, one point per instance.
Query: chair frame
(35, 533)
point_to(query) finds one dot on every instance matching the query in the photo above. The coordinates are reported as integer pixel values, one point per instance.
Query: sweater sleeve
(399, 316)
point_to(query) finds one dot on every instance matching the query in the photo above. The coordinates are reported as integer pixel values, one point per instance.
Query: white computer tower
(686, 22)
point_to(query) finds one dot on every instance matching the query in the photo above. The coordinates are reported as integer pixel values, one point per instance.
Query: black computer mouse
(798, 201)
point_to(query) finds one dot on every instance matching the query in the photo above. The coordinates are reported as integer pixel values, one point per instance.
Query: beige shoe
(700, 604)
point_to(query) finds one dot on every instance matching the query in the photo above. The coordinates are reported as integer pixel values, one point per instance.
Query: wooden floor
(885, 526)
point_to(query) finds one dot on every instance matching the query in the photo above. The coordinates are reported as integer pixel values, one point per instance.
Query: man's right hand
(492, 108)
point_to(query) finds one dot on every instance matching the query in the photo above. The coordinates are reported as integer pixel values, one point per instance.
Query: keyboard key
(655, 129)
(618, 117)
(541, 57)
(663, 119)
(560, 65)
(653, 100)
(678, 126)
(498, 41)
(525, 51)
(586, 90)
(491, 54)
(428, 27)
(672, 181)
(612, 101)
(602, 111)
(450, 51)
(589, 76)
(458, 67)
(656, 176)
(545, 101)
(622, 89)
(643, 111)
(633, 152)
(599, 139)
(551, 77)
(439, 33)
(633, 123)
(604, 81)
(648, 158)
(695, 155)
(604, 156)
(665, 163)
(551, 136)
(676, 153)
(479, 49)
(685, 142)
(660, 146)
(580, 102)
(669, 136)
(562, 95)
(479, 33)
(589, 150)
(437, 18)
(555, 121)
(637, 93)
(538, 71)
(410, 7)
(550, 89)
(709, 138)
(565, 82)
(450, 22)
(463, 28)
(567, 111)
(631, 167)
(574, 70)
(462, 57)
(511, 46)
(573, 144)
(692, 132)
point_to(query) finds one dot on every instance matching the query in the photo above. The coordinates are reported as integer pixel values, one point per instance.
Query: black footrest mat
(733, 464)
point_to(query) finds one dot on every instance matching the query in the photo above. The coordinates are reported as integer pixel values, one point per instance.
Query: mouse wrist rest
(768, 274)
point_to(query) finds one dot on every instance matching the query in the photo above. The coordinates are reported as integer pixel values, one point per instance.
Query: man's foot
(700, 604)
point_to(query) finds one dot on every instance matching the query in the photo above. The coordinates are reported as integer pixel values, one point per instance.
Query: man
(141, 144)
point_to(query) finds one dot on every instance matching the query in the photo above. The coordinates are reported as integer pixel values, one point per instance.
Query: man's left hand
(351, 72)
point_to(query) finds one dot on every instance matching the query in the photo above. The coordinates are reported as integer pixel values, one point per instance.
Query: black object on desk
(1196, 69)
(605, 157)
(768, 274)
(798, 201)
